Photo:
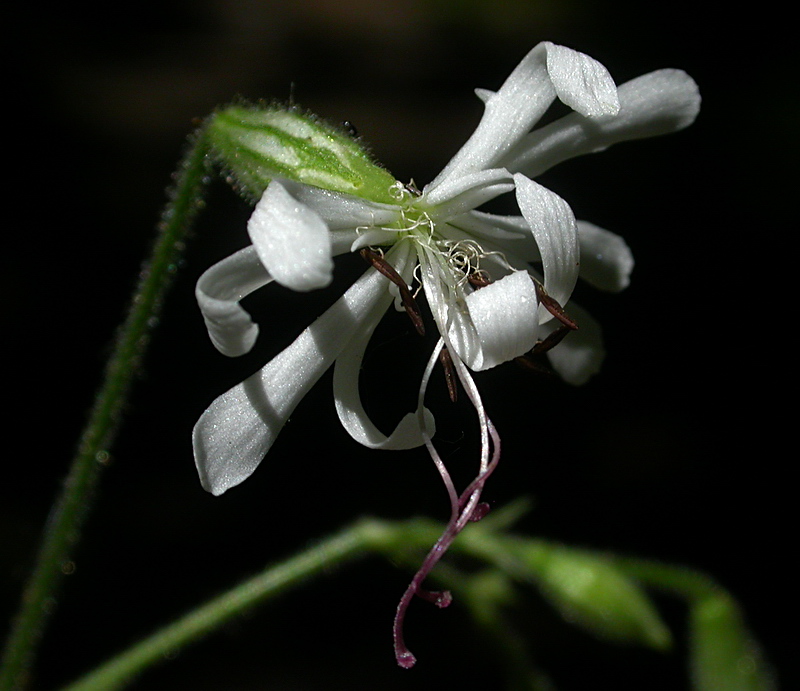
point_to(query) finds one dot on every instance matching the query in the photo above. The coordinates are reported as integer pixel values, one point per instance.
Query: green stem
(397, 541)
(71, 507)
(119, 671)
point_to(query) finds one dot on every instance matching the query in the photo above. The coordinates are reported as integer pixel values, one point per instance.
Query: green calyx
(255, 143)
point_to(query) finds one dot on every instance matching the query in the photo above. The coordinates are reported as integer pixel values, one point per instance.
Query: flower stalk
(72, 506)
(504, 562)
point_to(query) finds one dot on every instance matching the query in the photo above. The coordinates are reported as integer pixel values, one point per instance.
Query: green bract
(255, 144)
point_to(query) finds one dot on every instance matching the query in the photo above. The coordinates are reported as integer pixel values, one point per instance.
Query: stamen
(527, 362)
(409, 303)
(480, 511)
(552, 340)
(552, 306)
(449, 373)
(440, 598)
(479, 279)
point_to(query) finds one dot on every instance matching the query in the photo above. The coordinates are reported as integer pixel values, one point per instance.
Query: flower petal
(340, 210)
(656, 103)
(457, 195)
(581, 82)
(556, 233)
(446, 299)
(509, 236)
(581, 353)
(232, 436)
(407, 434)
(291, 239)
(506, 318)
(606, 259)
(545, 72)
(218, 292)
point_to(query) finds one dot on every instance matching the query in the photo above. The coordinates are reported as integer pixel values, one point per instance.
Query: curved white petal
(581, 353)
(509, 236)
(545, 72)
(581, 82)
(232, 436)
(457, 195)
(340, 210)
(447, 301)
(606, 259)
(506, 318)
(218, 292)
(407, 434)
(656, 103)
(291, 239)
(556, 233)
(373, 237)
(509, 113)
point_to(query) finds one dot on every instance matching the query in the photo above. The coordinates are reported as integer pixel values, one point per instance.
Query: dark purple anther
(481, 509)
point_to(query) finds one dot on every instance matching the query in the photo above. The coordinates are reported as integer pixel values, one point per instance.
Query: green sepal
(255, 143)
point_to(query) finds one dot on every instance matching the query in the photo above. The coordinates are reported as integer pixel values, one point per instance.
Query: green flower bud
(254, 144)
(591, 591)
(724, 655)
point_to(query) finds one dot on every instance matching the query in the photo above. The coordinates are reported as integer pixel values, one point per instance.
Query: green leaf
(255, 143)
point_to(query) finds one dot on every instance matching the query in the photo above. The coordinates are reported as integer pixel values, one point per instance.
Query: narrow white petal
(606, 259)
(509, 114)
(581, 353)
(506, 318)
(373, 237)
(340, 210)
(291, 239)
(656, 103)
(484, 94)
(407, 434)
(509, 236)
(546, 72)
(218, 292)
(556, 233)
(457, 195)
(447, 301)
(233, 435)
(581, 82)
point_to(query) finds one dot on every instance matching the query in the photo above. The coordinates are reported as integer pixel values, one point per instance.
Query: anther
(440, 598)
(528, 362)
(552, 340)
(479, 279)
(409, 303)
(480, 511)
(449, 373)
(553, 306)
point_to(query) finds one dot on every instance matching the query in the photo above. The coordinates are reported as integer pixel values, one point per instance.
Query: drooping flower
(495, 284)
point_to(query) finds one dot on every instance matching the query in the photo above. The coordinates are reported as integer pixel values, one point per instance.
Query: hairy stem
(71, 507)
(120, 671)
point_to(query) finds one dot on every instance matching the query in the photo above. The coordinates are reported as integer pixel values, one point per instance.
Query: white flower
(438, 238)
(493, 283)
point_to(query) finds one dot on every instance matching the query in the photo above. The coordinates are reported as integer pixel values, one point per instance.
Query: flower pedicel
(496, 285)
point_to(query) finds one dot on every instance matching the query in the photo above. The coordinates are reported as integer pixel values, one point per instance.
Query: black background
(678, 450)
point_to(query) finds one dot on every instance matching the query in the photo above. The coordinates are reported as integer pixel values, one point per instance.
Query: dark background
(677, 450)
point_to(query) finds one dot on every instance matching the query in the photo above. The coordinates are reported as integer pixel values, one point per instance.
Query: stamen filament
(409, 303)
